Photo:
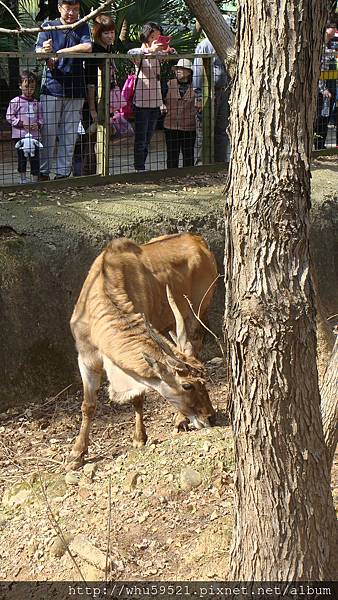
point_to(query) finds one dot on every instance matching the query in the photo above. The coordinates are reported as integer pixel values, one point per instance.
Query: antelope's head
(180, 375)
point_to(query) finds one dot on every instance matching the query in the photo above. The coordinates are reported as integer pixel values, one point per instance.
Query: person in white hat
(180, 119)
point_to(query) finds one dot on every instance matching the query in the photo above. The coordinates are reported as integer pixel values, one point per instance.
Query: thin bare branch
(108, 532)
(54, 522)
(91, 15)
(207, 291)
(42, 405)
(11, 13)
(50, 515)
(218, 341)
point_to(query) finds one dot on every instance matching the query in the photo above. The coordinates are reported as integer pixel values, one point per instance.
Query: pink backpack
(128, 92)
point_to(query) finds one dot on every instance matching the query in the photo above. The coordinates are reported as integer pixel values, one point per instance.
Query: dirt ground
(142, 510)
(164, 523)
(159, 513)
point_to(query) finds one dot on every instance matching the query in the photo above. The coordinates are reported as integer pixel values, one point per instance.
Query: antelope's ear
(150, 360)
(156, 366)
(187, 348)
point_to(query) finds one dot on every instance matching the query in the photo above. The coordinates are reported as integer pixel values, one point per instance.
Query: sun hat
(71, 2)
(184, 63)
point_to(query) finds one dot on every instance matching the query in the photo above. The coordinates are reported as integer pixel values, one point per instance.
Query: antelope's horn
(182, 341)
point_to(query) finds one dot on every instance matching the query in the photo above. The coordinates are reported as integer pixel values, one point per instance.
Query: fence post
(103, 120)
(208, 111)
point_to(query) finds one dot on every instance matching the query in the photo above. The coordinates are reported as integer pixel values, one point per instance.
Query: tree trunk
(124, 31)
(217, 30)
(329, 405)
(284, 515)
(325, 342)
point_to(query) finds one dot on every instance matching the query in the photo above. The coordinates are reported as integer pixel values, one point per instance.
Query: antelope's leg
(91, 381)
(140, 434)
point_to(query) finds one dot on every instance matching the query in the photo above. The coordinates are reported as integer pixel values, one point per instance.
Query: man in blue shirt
(63, 89)
(222, 91)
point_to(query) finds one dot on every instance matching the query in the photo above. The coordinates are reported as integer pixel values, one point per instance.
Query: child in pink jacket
(24, 113)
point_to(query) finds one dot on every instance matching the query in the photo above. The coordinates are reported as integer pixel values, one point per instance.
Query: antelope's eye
(187, 386)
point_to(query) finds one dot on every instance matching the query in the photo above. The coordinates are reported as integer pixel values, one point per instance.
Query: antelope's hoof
(74, 462)
(139, 443)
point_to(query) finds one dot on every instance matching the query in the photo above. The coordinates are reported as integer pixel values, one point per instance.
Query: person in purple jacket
(63, 88)
(24, 114)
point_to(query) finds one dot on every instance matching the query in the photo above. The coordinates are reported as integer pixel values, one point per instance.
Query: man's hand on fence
(47, 46)
(327, 94)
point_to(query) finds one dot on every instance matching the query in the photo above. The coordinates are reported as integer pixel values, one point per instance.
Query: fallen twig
(52, 519)
(108, 532)
(35, 408)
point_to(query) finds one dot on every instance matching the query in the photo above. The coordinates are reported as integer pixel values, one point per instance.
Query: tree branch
(218, 31)
(88, 17)
(11, 13)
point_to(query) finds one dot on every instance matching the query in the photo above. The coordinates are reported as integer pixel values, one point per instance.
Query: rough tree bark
(329, 405)
(284, 516)
(217, 30)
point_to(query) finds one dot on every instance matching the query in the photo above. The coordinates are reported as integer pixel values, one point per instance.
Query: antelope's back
(184, 262)
(127, 278)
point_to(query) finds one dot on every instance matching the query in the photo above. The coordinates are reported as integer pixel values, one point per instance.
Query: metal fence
(119, 114)
(113, 114)
(326, 120)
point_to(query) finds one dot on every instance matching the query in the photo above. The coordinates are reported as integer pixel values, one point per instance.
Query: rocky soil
(163, 512)
(160, 513)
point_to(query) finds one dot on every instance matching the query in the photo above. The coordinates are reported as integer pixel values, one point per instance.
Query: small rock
(189, 478)
(216, 361)
(19, 494)
(32, 547)
(72, 478)
(131, 481)
(88, 552)
(213, 516)
(206, 446)
(143, 517)
(59, 546)
(89, 470)
(118, 565)
(84, 493)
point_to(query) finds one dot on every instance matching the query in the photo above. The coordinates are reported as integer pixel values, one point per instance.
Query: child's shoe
(23, 178)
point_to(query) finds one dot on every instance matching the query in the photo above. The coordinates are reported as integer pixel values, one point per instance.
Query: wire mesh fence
(326, 121)
(103, 114)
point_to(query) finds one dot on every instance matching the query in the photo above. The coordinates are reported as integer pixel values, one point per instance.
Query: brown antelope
(130, 292)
